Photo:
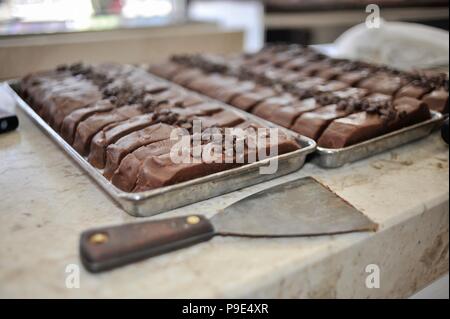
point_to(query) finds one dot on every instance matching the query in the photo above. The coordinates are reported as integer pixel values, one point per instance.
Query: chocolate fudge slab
(125, 176)
(378, 98)
(71, 121)
(154, 88)
(184, 77)
(186, 113)
(312, 124)
(227, 94)
(362, 126)
(127, 144)
(246, 101)
(286, 115)
(166, 70)
(37, 86)
(205, 108)
(63, 108)
(257, 152)
(266, 107)
(93, 124)
(137, 79)
(159, 171)
(281, 75)
(109, 135)
(412, 90)
(208, 84)
(258, 71)
(409, 111)
(224, 118)
(331, 86)
(352, 129)
(291, 77)
(383, 83)
(309, 83)
(355, 93)
(284, 145)
(280, 59)
(217, 88)
(437, 100)
(354, 77)
(297, 63)
(37, 79)
(312, 69)
(330, 73)
(65, 97)
(287, 144)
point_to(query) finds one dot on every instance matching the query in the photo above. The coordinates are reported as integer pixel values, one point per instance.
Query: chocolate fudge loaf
(375, 120)
(306, 91)
(54, 96)
(93, 124)
(164, 112)
(112, 133)
(71, 121)
(122, 117)
(160, 170)
(125, 176)
(285, 115)
(437, 100)
(127, 144)
(312, 124)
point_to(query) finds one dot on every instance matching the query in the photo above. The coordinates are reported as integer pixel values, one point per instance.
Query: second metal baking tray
(333, 158)
(170, 197)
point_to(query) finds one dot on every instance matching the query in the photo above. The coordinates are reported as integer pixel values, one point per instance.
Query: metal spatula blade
(302, 207)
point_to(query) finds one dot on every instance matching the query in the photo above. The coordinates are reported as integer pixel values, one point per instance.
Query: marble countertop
(47, 201)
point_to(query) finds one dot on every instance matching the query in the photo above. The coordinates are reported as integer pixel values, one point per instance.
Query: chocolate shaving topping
(80, 69)
(165, 116)
(329, 98)
(430, 82)
(62, 68)
(208, 65)
(383, 108)
(112, 99)
(35, 82)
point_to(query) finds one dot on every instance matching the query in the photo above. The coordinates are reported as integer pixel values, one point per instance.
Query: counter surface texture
(47, 201)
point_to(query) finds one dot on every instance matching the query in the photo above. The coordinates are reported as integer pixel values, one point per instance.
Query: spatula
(303, 207)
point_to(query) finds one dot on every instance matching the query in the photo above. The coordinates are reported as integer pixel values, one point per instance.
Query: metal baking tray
(170, 197)
(333, 158)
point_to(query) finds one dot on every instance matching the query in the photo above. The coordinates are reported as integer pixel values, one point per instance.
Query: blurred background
(38, 34)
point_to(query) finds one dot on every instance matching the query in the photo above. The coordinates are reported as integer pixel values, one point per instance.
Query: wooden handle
(106, 248)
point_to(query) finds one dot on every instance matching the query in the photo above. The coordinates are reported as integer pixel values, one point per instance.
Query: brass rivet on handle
(98, 238)
(192, 220)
